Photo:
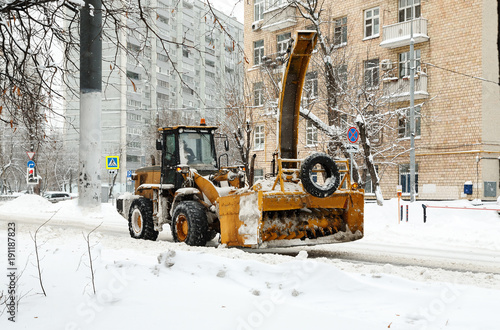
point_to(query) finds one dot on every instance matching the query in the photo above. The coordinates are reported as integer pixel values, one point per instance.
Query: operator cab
(192, 146)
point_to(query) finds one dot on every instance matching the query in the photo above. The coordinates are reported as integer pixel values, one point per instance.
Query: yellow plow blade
(262, 219)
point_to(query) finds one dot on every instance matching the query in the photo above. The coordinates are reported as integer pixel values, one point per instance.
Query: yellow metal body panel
(276, 216)
(147, 176)
(290, 96)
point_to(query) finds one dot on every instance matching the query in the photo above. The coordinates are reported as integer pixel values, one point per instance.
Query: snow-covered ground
(444, 274)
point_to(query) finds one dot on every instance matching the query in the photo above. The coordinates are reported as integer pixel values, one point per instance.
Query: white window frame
(404, 178)
(404, 63)
(258, 51)
(311, 134)
(372, 22)
(371, 73)
(258, 94)
(258, 174)
(369, 182)
(407, 9)
(282, 41)
(311, 85)
(258, 9)
(340, 32)
(258, 137)
(404, 122)
(341, 71)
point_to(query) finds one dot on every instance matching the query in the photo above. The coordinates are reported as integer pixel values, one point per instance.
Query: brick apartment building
(457, 115)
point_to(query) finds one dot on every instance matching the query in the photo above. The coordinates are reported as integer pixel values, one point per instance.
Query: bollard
(406, 213)
(425, 213)
(401, 214)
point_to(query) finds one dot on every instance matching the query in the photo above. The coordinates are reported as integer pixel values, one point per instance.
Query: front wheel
(190, 224)
(140, 220)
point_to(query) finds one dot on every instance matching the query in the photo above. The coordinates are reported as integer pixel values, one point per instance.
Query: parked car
(57, 196)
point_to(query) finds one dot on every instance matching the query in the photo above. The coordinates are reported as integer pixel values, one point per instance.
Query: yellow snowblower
(309, 201)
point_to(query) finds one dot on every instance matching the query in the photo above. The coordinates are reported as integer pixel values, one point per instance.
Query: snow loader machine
(306, 202)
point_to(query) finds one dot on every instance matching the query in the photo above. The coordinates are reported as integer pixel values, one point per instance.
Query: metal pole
(412, 115)
(89, 177)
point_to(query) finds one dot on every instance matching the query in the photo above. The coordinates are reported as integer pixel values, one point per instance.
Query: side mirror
(226, 144)
(159, 145)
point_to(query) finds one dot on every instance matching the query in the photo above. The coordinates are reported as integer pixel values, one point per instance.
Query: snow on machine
(306, 203)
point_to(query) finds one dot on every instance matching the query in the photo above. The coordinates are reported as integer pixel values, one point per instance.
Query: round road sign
(31, 164)
(353, 135)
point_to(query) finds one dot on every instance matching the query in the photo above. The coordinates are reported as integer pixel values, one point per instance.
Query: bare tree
(34, 35)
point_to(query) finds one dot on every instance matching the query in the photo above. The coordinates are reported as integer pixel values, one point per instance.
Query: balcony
(398, 35)
(278, 18)
(398, 89)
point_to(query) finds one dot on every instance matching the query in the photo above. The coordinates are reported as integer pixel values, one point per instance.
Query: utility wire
(463, 74)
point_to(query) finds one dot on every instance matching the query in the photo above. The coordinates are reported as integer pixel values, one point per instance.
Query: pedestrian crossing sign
(112, 162)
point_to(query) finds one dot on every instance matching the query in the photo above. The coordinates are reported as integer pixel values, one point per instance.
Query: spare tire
(331, 178)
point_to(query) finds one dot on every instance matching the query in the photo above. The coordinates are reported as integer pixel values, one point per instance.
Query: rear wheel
(189, 224)
(140, 220)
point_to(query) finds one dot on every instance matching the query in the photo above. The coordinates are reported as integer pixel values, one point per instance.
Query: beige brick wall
(459, 118)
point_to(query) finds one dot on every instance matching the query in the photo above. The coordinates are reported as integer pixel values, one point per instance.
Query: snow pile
(33, 203)
(36, 209)
(144, 284)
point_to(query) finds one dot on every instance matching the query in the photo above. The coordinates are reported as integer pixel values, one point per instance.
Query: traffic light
(32, 178)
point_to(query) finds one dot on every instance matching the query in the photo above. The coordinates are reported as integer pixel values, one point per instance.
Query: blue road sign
(353, 135)
(112, 162)
(129, 174)
(31, 164)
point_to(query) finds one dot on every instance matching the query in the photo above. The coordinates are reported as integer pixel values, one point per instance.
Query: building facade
(175, 72)
(457, 100)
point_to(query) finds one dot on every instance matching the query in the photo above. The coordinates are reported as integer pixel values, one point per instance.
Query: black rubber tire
(194, 215)
(140, 220)
(331, 171)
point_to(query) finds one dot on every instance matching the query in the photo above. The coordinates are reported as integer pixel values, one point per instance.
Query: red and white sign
(30, 154)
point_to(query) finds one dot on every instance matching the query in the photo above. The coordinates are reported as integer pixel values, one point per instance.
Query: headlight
(183, 169)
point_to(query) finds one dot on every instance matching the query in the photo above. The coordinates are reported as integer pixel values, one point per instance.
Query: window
(134, 117)
(258, 10)
(133, 48)
(340, 32)
(133, 75)
(258, 137)
(409, 9)
(210, 63)
(311, 85)
(185, 51)
(372, 22)
(404, 178)
(163, 84)
(404, 122)
(132, 158)
(282, 42)
(311, 134)
(161, 97)
(258, 94)
(258, 52)
(134, 144)
(342, 76)
(163, 58)
(371, 73)
(404, 63)
(275, 3)
(134, 103)
(258, 174)
(162, 19)
(368, 181)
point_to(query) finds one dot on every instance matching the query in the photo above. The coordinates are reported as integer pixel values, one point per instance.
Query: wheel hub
(137, 222)
(182, 227)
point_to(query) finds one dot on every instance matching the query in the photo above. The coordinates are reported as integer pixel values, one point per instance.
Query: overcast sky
(230, 7)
